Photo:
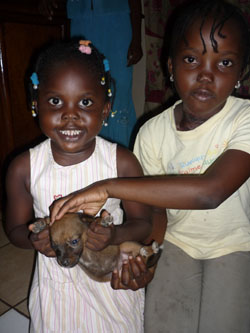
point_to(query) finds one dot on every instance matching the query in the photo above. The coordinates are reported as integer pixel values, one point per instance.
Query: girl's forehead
(213, 32)
(75, 69)
(71, 79)
(73, 66)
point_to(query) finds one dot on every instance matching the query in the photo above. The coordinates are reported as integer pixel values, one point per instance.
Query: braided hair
(64, 51)
(221, 11)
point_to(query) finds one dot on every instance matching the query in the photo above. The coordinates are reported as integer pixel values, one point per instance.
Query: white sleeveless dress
(67, 300)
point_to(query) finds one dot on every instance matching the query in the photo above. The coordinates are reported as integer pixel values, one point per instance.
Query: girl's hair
(221, 11)
(62, 52)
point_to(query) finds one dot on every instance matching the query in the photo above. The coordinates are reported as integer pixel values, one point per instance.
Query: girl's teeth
(71, 132)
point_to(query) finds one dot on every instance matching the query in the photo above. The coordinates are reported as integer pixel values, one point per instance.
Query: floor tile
(14, 322)
(3, 308)
(15, 278)
(3, 238)
(23, 308)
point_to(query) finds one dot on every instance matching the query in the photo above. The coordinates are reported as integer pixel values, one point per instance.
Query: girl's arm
(19, 201)
(137, 224)
(19, 210)
(135, 50)
(206, 191)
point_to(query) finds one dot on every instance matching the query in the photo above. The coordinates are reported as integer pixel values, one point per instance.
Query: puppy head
(67, 238)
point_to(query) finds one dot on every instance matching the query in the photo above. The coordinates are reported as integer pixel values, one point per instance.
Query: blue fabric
(111, 33)
(79, 7)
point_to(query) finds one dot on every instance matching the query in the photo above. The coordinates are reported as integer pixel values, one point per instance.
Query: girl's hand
(134, 275)
(134, 53)
(99, 237)
(90, 200)
(41, 242)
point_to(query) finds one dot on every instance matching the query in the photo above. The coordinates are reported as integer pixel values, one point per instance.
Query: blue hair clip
(106, 65)
(34, 79)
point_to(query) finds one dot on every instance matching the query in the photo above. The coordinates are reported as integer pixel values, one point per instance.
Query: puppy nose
(65, 262)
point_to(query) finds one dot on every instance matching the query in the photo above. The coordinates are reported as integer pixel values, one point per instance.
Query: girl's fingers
(115, 280)
(125, 274)
(135, 267)
(61, 206)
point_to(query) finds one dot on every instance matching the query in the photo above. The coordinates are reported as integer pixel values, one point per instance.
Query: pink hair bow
(84, 46)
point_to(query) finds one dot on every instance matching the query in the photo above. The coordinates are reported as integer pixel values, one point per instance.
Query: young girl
(201, 144)
(71, 95)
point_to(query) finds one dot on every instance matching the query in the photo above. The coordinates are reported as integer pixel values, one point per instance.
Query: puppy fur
(68, 238)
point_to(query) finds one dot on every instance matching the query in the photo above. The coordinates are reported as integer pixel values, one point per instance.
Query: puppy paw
(156, 247)
(38, 226)
(107, 221)
(143, 252)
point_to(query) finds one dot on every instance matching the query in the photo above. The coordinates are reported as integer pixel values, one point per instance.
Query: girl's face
(205, 80)
(71, 109)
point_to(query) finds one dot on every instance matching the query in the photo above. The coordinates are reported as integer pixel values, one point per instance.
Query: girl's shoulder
(162, 120)
(238, 105)
(104, 147)
(19, 168)
(156, 128)
(44, 145)
(127, 163)
(20, 165)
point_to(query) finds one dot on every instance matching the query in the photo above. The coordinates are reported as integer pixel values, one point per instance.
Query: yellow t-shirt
(162, 149)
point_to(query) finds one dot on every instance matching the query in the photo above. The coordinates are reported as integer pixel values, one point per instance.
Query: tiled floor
(15, 275)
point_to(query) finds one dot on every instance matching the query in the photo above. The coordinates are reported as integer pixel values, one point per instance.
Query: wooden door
(22, 33)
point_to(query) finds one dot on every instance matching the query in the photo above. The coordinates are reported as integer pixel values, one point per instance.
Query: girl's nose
(70, 114)
(205, 75)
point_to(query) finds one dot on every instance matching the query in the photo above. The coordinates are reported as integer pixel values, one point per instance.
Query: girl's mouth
(71, 133)
(202, 95)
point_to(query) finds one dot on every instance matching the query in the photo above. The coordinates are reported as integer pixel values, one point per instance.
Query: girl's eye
(85, 102)
(55, 101)
(225, 63)
(190, 60)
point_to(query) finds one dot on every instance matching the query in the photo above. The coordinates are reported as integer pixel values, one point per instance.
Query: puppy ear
(104, 213)
(107, 221)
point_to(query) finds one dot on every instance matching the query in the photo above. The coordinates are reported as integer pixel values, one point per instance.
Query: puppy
(68, 238)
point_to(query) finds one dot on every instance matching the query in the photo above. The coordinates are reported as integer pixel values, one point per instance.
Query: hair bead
(109, 93)
(34, 79)
(103, 81)
(33, 109)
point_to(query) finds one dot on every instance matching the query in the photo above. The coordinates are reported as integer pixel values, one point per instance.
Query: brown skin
(97, 264)
(71, 99)
(203, 81)
(135, 274)
(48, 8)
(135, 50)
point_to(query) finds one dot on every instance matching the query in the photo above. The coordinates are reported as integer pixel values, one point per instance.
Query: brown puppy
(68, 238)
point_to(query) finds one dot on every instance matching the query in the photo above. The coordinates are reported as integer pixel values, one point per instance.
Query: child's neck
(186, 121)
(64, 158)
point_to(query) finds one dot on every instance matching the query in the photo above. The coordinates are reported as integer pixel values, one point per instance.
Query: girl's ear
(106, 110)
(170, 66)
